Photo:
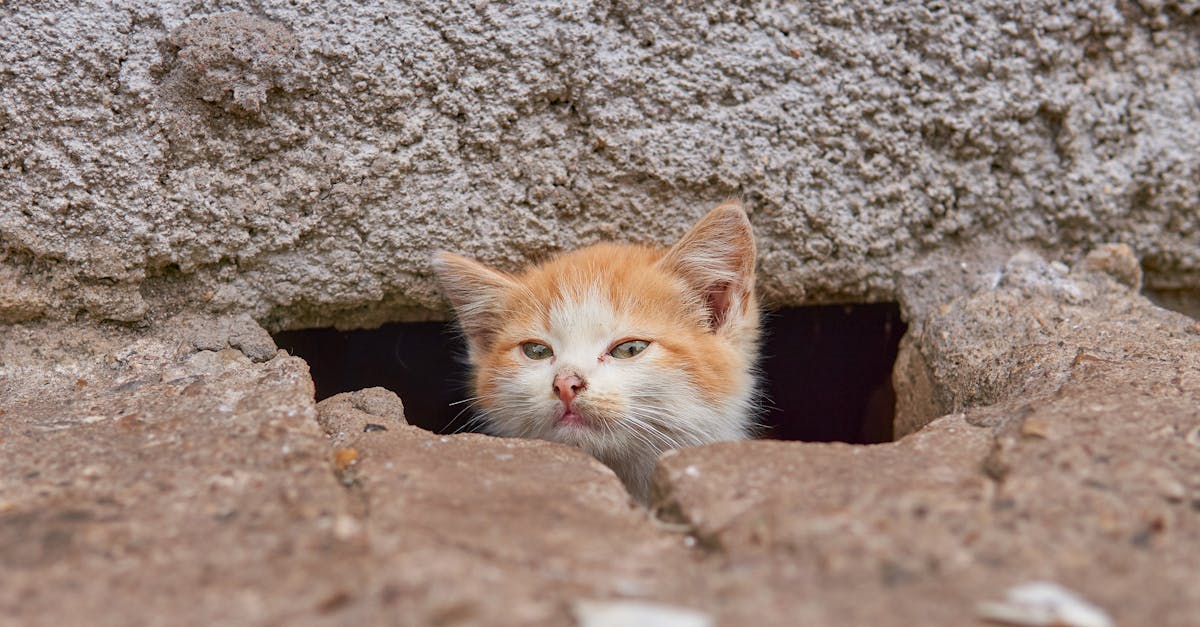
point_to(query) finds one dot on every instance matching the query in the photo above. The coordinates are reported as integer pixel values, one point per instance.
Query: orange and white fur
(624, 351)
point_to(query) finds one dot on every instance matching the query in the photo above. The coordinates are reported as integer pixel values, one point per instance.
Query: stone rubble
(162, 476)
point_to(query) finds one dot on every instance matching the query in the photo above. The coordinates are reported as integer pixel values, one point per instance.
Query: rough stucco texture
(299, 163)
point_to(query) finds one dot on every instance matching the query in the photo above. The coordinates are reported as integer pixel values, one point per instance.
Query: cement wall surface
(298, 162)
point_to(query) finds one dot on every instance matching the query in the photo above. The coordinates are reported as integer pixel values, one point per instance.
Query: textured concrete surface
(147, 482)
(298, 163)
(176, 177)
(163, 476)
(150, 482)
(1072, 456)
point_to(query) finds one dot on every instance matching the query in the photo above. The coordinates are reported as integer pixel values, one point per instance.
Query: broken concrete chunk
(138, 498)
(253, 340)
(1117, 261)
(1033, 275)
(240, 332)
(347, 416)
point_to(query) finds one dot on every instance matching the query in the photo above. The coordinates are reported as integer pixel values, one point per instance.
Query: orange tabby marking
(622, 350)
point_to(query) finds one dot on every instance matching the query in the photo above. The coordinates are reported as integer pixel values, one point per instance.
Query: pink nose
(567, 385)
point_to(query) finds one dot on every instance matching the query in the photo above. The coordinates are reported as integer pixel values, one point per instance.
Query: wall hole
(829, 372)
(1184, 301)
(424, 363)
(827, 368)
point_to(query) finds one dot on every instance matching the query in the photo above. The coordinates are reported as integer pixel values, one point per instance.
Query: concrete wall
(299, 163)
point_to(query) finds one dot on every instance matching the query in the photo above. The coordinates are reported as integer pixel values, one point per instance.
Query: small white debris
(443, 439)
(636, 614)
(1043, 603)
(630, 587)
(346, 527)
(1193, 437)
(691, 471)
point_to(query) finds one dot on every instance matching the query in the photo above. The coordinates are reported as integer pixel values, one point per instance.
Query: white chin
(575, 435)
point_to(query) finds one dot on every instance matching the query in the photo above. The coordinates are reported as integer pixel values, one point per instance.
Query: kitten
(624, 351)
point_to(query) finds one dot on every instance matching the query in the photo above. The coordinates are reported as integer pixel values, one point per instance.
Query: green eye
(534, 350)
(625, 350)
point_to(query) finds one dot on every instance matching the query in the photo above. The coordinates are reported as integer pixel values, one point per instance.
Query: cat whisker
(641, 437)
(647, 428)
(467, 400)
(668, 421)
(471, 404)
(472, 422)
(657, 420)
(668, 441)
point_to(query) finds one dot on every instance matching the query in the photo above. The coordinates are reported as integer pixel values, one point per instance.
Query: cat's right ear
(475, 291)
(716, 258)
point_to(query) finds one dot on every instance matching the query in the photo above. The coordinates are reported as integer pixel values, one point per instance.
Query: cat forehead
(602, 283)
(580, 311)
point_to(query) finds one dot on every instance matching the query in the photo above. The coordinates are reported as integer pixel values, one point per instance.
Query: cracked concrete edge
(966, 364)
(1070, 456)
(40, 358)
(976, 446)
(964, 352)
(163, 460)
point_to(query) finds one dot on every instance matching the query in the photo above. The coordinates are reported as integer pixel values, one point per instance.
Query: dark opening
(827, 369)
(829, 372)
(1184, 301)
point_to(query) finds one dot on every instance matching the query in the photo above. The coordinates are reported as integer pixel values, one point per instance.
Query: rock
(1066, 456)
(1117, 261)
(252, 340)
(216, 507)
(146, 474)
(209, 488)
(240, 332)
(870, 531)
(346, 417)
(504, 531)
(1044, 603)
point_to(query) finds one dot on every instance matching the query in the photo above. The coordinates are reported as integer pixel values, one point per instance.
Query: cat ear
(716, 259)
(475, 291)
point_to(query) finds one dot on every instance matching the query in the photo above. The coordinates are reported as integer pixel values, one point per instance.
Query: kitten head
(624, 351)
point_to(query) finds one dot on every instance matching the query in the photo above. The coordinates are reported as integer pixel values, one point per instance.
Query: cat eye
(535, 350)
(625, 350)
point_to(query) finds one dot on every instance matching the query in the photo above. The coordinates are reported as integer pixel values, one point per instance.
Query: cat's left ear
(716, 259)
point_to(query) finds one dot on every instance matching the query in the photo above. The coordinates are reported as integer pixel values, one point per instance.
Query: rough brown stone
(160, 472)
(146, 479)
(156, 484)
(1069, 460)
(1117, 261)
(346, 417)
(504, 531)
